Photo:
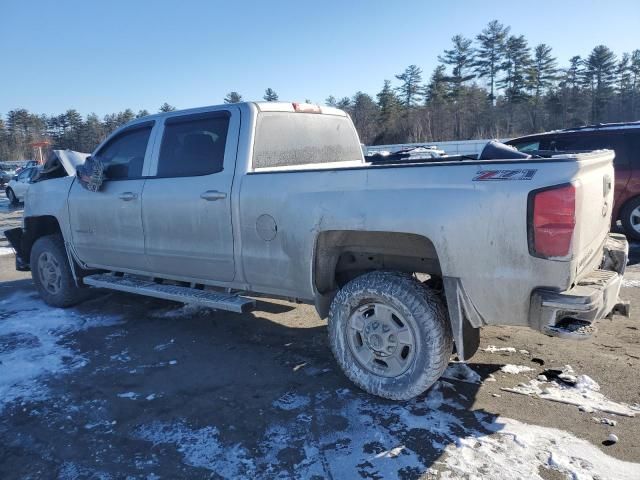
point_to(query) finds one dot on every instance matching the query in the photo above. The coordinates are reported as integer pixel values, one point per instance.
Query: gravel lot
(129, 387)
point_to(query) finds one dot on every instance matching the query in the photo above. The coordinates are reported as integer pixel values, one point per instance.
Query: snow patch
(129, 395)
(6, 251)
(291, 401)
(201, 448)
(356, 436)
(584, 394)
(494, 349)
(33, 344)
(519, 450)
(515, 369)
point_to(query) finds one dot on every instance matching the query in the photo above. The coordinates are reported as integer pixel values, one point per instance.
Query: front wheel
(52, 275)
(630, 218)
(12, 197)
(390, 334)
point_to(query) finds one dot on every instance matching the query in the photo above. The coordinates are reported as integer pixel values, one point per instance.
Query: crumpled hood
(70, 160)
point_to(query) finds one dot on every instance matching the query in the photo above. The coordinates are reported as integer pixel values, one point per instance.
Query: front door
(106, 226)
(186, 205)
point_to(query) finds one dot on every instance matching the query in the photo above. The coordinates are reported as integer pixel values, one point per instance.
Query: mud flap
(16, 237)
(465, 335)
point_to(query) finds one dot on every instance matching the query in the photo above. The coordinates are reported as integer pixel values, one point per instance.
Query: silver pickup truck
(405, 258)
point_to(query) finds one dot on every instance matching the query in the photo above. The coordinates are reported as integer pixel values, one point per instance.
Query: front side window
(193, 145)
(123, 156)
(25, 175)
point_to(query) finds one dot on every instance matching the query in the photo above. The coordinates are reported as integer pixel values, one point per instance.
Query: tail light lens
(552, 221)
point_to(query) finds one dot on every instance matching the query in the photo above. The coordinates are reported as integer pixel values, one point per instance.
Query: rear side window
(598, 141)
(289, 139)
(123, 155)
(193, 145)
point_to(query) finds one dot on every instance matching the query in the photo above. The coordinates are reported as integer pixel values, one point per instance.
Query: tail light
(552, 219)
(306, 107)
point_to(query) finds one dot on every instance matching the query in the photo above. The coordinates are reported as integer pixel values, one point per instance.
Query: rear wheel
(12, 197)
(52, 275)
(390, 334)
(630, 218)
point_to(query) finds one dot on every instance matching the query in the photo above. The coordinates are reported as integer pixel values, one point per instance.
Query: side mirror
(91, 174)
(15, 177)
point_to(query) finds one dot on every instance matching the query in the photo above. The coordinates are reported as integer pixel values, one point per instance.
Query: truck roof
(599, 127)
(261, 106)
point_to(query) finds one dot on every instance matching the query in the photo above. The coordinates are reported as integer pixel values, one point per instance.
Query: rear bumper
(570, 313)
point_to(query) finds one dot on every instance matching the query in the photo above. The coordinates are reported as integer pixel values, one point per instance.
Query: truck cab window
(123, 156)
(193, 145)
(527, 146)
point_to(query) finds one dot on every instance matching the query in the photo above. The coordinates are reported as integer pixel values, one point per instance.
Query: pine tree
(270, 95)
(331, 101)
(437, 88)
(624, 87)
(142, 113)
(364, 113)
(344, 104)
(411, 90)
(600, 75)
(233, 97)
(634, 67)
(461, 58)
(516, 64)
(165, 107)
(389, 107)
(490, 53)
(542, 74)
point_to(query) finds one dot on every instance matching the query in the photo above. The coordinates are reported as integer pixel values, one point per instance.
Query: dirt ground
(128, 387)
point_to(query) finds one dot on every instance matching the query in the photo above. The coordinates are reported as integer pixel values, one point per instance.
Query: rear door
(186, 204)
(106, 226)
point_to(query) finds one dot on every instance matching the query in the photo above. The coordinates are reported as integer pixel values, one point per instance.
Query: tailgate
(594, 183)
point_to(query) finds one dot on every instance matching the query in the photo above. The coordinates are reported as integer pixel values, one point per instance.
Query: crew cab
(406, 259)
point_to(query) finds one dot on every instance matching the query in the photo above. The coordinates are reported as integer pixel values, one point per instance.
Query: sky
(106, 56)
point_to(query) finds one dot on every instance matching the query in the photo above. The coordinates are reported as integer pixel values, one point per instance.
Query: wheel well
(36, 227)
(341, 255)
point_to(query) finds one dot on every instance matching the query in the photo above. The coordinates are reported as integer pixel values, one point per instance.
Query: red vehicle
(624, 139)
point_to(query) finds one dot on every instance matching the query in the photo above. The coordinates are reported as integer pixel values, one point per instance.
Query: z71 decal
(487, 175)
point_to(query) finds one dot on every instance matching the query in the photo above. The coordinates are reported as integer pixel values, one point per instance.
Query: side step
(204, 298)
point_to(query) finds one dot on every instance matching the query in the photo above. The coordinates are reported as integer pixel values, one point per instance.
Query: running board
(204, 298)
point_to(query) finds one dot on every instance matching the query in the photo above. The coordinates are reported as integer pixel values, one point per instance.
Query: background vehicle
(17, 187)
(624, 139)
(6, 174)
(25, 165)
(276, 198)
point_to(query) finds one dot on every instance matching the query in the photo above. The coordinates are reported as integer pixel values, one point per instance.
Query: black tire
(11, 196)
(61, 292)
(627, 219)
(419, 307)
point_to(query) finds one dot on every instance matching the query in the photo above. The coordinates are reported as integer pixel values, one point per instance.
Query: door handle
(128, 196)
(213, 195)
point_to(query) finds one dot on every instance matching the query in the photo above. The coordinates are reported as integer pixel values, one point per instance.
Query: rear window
(290, 139)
